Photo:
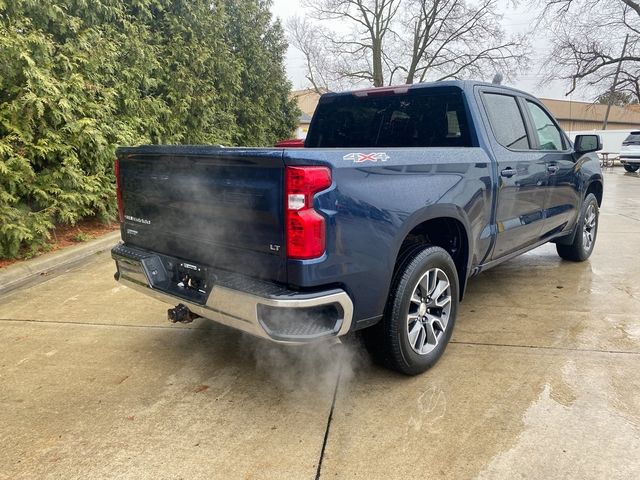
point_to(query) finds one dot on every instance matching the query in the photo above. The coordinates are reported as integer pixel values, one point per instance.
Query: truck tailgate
(218, 207)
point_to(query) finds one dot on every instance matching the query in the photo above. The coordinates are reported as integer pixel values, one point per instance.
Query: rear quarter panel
(373, 205)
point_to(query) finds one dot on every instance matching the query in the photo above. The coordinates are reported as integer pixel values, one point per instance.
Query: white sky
(514, 21)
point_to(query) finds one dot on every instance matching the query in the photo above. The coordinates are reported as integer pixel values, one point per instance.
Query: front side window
(506, 121)
(549, 136)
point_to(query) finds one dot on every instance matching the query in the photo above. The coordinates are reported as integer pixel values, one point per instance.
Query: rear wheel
(585, 238)
(420, 313)
(631, 168)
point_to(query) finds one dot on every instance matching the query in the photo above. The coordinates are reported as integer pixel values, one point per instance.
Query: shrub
(80, 77)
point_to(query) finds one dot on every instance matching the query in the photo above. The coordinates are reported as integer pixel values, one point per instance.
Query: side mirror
(587, 144)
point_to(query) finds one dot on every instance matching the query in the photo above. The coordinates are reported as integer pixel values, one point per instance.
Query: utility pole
(615, 83)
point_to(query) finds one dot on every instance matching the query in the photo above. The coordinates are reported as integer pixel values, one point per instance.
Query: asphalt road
(541, 380)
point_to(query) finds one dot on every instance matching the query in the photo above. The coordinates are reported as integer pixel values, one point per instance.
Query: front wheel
(631, 168)
(585, 238)
(420, 314)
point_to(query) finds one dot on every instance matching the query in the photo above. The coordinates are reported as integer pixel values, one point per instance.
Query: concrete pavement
(24, 273)
(541, 380)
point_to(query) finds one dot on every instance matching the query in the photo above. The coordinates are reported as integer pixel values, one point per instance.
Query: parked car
(630, 152)
(400, 195)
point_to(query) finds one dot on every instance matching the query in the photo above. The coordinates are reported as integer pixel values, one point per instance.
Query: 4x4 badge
(366, 157)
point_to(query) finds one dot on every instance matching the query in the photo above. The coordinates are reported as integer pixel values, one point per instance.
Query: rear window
(419, 118)
(633, 139)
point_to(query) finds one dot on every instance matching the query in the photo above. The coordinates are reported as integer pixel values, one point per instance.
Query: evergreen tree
(617, 98)
(80, 77)
(200, 75)
(264, 111)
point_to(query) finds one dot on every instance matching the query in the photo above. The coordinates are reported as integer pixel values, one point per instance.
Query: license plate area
(192, 277)
(186, 280)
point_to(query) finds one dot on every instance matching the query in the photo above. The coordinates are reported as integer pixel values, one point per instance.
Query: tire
(587, 231)
(631, 168)
(416, 329)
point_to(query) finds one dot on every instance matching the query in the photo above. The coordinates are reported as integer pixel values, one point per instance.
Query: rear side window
(506, 121)
(549, 136)
(419, 118)
(633, 139)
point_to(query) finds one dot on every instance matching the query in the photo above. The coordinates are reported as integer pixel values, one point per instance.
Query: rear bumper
(260, 308)
(630, 160)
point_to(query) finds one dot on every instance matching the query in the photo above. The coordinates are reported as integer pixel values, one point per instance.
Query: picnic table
(608, 159)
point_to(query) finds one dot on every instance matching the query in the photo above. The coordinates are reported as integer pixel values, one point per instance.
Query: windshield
(424, 117)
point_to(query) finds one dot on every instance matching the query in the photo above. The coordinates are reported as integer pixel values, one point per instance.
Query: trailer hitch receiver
(181, 314)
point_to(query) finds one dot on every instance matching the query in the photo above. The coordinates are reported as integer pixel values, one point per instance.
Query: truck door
(522, 174)
(562, 202)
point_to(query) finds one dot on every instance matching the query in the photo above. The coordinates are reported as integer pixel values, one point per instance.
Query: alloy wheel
(429, 311)
(589, 228)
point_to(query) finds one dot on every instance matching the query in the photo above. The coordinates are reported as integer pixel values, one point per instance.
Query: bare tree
(587, 44)
(308, 38)
(381, 42)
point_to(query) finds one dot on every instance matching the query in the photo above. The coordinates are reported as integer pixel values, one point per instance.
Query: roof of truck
(461, 84)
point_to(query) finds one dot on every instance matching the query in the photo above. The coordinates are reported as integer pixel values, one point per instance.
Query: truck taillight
(305, 227)
(116, 169)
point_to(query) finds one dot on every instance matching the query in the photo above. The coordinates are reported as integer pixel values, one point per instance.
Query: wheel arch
(446, 227)
(596, 187)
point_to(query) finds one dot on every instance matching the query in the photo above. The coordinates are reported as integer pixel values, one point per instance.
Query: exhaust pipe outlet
(181, 314)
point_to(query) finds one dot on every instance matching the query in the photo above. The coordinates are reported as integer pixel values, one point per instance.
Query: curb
(17, 275)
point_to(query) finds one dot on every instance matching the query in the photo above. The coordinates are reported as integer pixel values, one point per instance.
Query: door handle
(552, 169)
(508, 172)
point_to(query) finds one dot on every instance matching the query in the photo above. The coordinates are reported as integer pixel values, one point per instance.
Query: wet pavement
(542, 380)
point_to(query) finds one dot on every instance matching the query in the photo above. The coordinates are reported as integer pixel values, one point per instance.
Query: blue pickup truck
(400, 195)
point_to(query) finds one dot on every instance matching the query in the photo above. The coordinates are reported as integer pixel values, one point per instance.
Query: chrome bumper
(284, 317)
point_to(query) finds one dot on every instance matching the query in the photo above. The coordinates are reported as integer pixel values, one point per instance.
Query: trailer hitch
(181, 314)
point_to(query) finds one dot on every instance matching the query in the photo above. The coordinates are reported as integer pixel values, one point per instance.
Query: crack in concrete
(627, 216)
(545, 347)
(329, 420)
(174, 327)
(95, 324)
